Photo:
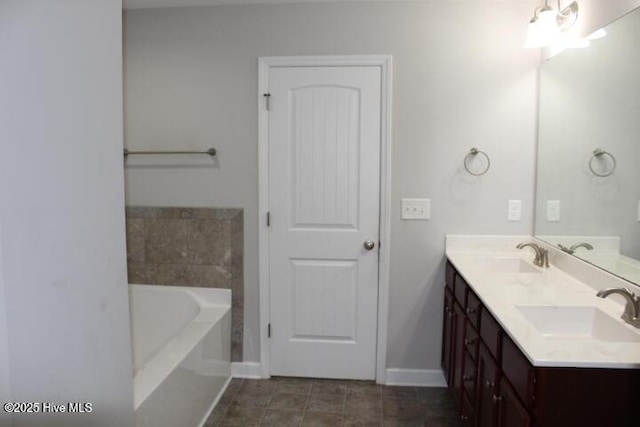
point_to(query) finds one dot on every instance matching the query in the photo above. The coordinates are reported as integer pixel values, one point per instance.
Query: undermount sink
(577, 322)
(503, 265)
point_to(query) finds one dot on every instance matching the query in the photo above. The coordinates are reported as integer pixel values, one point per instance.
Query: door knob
(369, 244)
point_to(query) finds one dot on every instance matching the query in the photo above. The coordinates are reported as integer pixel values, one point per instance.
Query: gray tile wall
(190, 247)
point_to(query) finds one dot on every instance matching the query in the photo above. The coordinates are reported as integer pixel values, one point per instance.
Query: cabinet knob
(464, 417)
(497, 398)
(467, 378)
(489, 384)
(468, 341)
(471, 310)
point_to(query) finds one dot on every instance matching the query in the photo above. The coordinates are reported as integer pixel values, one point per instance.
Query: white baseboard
(246, 370)
(407, 377)
(415, 377)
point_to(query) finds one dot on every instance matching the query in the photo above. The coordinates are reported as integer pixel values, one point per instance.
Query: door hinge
(269, 330)
(266, 100)
(268, 219)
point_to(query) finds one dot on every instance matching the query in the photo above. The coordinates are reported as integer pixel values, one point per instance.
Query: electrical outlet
(514, 211)
(553, 210)
(416, 208)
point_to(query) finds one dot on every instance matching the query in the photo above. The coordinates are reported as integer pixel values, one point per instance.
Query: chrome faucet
(542, 254)
(631, 310)
(573, 248)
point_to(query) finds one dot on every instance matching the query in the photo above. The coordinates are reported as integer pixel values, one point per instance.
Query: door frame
(265, 64)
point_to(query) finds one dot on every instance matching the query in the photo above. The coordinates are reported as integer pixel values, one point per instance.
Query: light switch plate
(416, 208)
(514, 211)
(553, 210)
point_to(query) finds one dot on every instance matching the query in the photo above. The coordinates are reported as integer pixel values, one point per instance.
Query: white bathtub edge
(214, 305)
(215, 402)
(149, 377)
(203, 295)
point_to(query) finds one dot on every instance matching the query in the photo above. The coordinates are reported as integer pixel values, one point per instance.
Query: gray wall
(461, 79)
(62, 210)
(5, 373)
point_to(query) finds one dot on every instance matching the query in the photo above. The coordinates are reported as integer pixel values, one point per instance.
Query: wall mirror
(588, 180)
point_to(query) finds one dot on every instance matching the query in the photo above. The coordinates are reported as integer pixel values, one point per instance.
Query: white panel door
(324, 191)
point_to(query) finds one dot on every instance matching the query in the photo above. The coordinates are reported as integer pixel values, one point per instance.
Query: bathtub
(181, 341)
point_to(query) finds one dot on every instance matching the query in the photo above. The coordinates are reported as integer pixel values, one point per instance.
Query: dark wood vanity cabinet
(510, 411)
(447, 334)
(457, 352)
(486, 383)
(494, 384)
(453, 347)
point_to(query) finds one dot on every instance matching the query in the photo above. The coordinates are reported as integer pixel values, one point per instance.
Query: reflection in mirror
(588, 185)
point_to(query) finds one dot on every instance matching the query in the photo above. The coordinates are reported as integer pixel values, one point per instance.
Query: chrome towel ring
(598, 153)
(472, 153)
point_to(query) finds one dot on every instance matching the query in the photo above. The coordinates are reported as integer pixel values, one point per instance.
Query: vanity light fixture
(547, 24)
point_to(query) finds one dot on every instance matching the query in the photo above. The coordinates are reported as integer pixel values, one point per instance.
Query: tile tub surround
(281, 401)
(190, 247)
(568, 282)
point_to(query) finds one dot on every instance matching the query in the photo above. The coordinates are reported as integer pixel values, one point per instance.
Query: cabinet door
(511, 412)
(469, 377)
(486, 390)
(467, 414)
(447, 335)
(457, 364)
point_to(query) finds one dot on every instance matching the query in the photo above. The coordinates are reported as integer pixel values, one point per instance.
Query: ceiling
(143, 4)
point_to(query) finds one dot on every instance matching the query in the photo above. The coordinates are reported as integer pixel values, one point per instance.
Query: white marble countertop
(501, 293)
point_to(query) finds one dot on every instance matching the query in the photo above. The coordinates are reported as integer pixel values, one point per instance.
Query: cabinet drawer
(469, 377)
(518, 370)
(460, 291)
(491, 333)
(471, 340)
(450, 275)
(448, 300)
(473, 308)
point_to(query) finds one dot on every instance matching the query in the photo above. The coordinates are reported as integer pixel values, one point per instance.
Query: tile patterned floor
(284, 402)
